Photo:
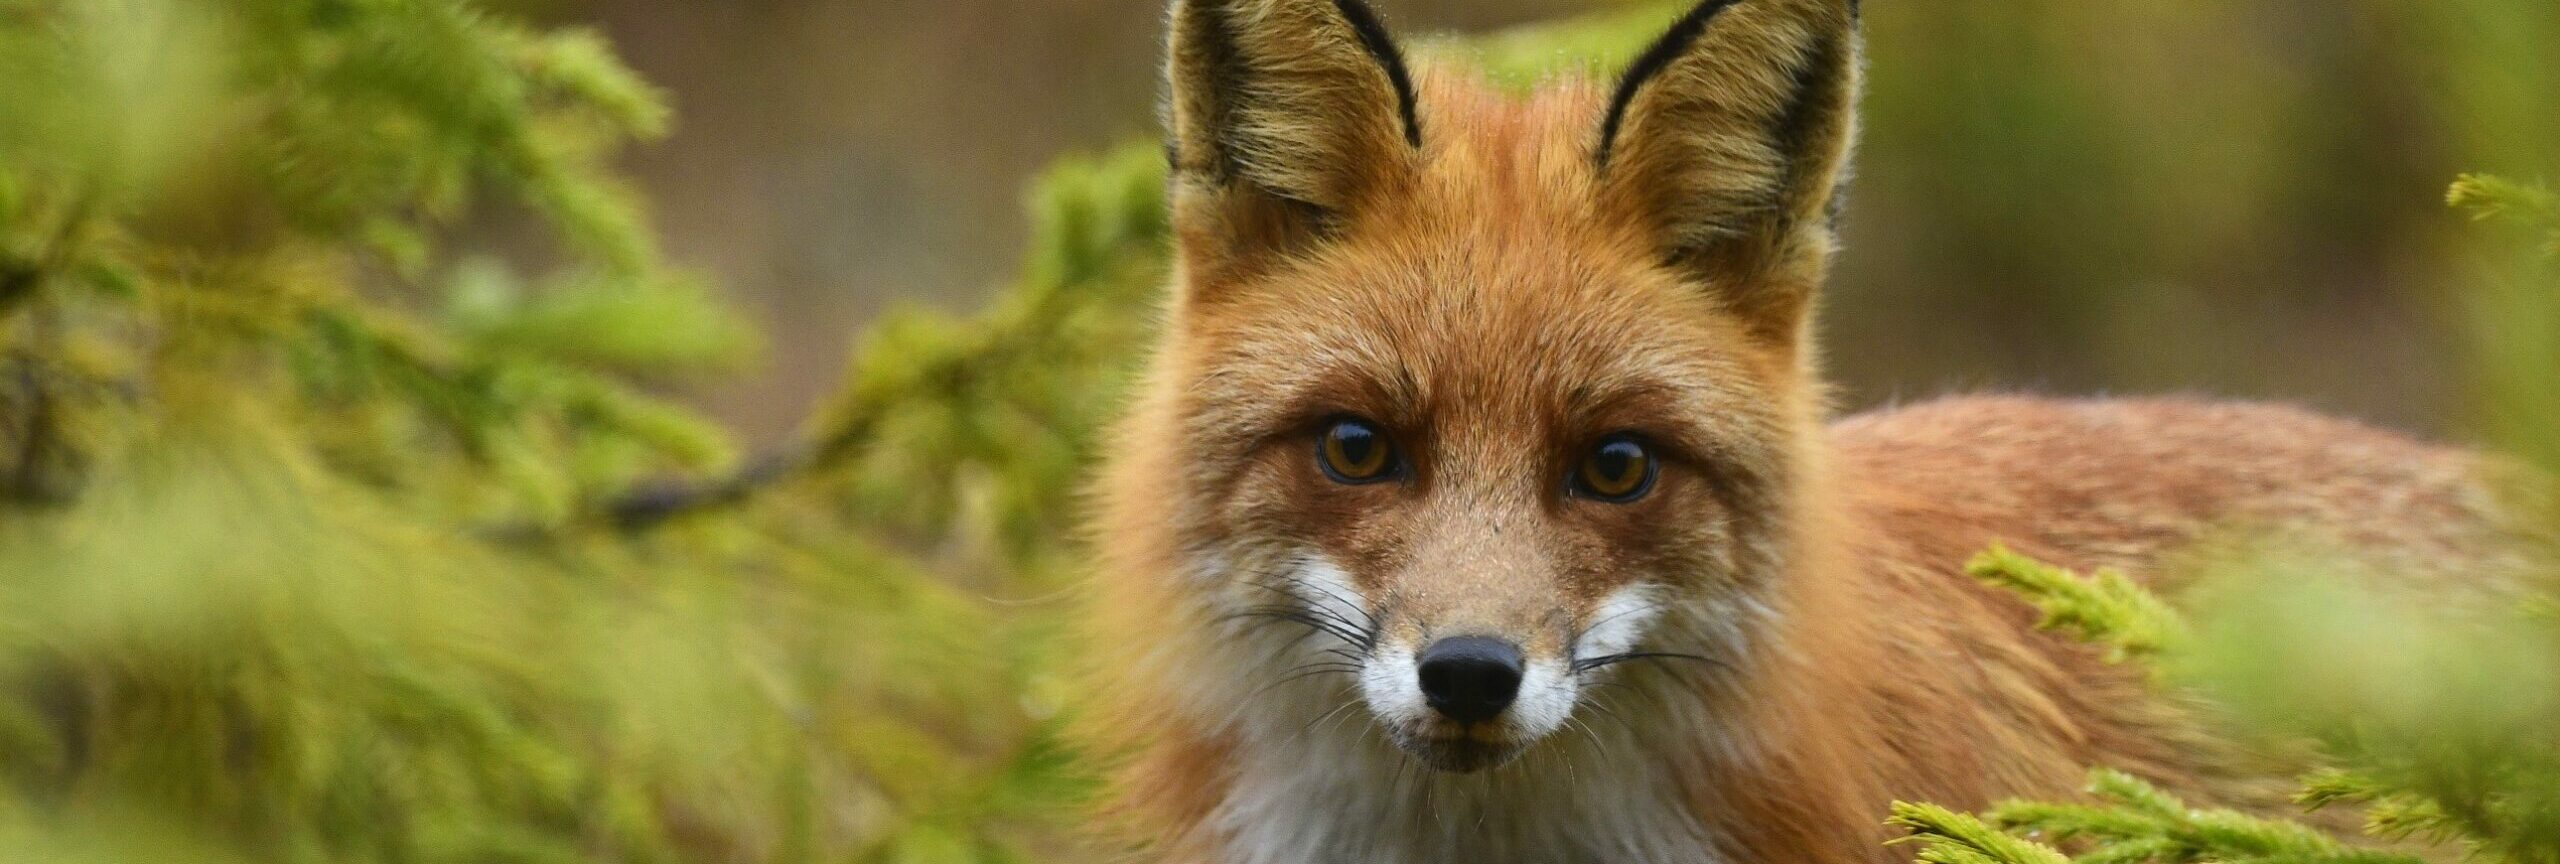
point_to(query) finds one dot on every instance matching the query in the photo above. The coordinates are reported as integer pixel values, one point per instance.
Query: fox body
(1481, 503)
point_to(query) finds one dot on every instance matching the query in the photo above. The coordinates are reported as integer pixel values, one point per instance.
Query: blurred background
(634, 430)
(834, 157)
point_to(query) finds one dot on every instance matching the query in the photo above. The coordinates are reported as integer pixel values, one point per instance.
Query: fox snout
(1466, 703)
(1463, 694)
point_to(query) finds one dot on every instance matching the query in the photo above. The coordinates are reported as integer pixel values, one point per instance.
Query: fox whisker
(1301, 616)
(1302, 673)
(1336, 596)
(1302, 610)
(1337, 710)
(1588, 664)
(1611, 713)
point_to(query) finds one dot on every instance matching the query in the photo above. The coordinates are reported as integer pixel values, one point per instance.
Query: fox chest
(1346, 798)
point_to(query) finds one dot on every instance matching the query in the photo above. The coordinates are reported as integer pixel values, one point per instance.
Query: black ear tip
(1656, 57)
(1382, 47)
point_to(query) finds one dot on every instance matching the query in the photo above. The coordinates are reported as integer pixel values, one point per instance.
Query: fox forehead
(1451, 337)
(1456, 318)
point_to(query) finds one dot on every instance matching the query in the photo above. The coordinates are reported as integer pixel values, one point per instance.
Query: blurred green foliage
(329, 537)
(2433, 708)
(2234, 198)
(329, 532)
(2436, 723)
(2126, 821)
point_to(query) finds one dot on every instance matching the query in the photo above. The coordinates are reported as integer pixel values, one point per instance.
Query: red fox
(1481, 503)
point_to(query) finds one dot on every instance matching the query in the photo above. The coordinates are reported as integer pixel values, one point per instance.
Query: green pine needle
(2106, 608)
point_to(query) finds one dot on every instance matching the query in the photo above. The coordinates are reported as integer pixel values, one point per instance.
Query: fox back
(1480, 503)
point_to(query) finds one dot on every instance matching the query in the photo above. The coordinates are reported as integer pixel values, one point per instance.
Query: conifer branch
(2487, 197)
(2106, 608)
(1948, 837)
(2131, 820)
(1042, 364)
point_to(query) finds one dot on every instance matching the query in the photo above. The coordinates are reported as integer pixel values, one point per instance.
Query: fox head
(1469, 402)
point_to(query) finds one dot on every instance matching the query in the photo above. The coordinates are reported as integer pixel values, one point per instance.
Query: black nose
(1470, 679)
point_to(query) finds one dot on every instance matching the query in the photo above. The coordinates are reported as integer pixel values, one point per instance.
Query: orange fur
(1498, 296)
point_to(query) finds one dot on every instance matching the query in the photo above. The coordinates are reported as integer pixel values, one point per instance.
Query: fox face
(1470, 404)
(1481, 454)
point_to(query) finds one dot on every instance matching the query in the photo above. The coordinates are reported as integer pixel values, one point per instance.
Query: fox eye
(1354, 451)
(1618, 470)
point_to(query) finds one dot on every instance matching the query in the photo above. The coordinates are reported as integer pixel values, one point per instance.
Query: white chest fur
(1317, 789)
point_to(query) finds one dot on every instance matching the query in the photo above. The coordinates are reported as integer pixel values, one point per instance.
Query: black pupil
(1356, 444)
(1617, 462)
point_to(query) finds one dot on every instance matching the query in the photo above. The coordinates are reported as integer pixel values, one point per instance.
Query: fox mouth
(1462, 753)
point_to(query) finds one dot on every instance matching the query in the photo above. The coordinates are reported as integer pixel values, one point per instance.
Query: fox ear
(1727, 142)
(1286, 116)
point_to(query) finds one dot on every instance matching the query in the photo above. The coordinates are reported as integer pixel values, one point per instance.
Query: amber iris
(1617, 470)
(1355, 451)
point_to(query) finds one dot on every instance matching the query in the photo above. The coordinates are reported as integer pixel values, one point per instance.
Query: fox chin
(1482, 502)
